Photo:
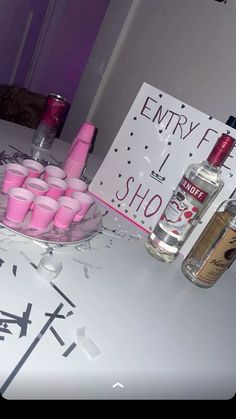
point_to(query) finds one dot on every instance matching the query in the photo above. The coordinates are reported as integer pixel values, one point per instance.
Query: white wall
(185, 47)
(96, 66)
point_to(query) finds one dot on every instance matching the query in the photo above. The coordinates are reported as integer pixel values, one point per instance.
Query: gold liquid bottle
(215, 250)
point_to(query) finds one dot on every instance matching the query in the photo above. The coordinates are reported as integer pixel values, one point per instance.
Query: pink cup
(18, 204)
(65, 215)
(72, 165)
(79, 152)
(54, 171)
(57, 187)
(15, 173)
(85, 202)
(75, 185)
(37, 186)
(74, 172)
(86, 132)
(43, 212)
(35, 168)
(76, 158)
(8, 185)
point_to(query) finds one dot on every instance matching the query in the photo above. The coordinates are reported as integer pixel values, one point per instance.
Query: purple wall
(67, 46)
(14, 16)
(39, 8)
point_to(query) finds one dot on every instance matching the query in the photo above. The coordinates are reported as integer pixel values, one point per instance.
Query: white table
(159, 336)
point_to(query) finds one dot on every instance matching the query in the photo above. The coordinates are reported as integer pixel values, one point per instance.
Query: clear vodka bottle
(195, 192)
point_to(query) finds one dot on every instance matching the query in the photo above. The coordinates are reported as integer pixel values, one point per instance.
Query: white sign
(157, 141)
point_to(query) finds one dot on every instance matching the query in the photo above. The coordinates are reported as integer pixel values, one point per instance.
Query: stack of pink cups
(77, 156)
(51, 198)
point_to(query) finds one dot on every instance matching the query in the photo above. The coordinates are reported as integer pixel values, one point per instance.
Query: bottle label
(219, 259)
(53, 113)
(179, 214)
(187, 186)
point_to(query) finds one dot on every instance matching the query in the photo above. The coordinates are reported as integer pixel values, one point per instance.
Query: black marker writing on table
(14, 270)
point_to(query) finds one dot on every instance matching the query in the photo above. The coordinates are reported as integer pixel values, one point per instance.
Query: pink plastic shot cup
(75, 185)
(79, 152)
(73, 171)
(76, 160)
(65, 215)
(35, 168)
(8, 185)
(37, 186)
(57, 187)
(43, 212)
(54, 171)
(86, 132)
(15, 173)
(18, 204)
(77, 155)
(85, 202)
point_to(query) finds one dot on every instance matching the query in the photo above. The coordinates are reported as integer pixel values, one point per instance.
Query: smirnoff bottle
(195, 192)
(215, 250)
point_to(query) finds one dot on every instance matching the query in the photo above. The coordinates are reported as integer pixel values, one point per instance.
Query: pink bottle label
(187, 186)
(53, 112)
(180, 213)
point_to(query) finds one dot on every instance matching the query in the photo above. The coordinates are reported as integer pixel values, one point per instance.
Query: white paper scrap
(86, 344)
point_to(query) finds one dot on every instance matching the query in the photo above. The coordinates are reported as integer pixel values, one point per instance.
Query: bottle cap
(221, 150)
(231, 121)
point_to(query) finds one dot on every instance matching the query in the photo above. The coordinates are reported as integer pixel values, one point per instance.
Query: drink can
(53, 110)
(50, 121)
